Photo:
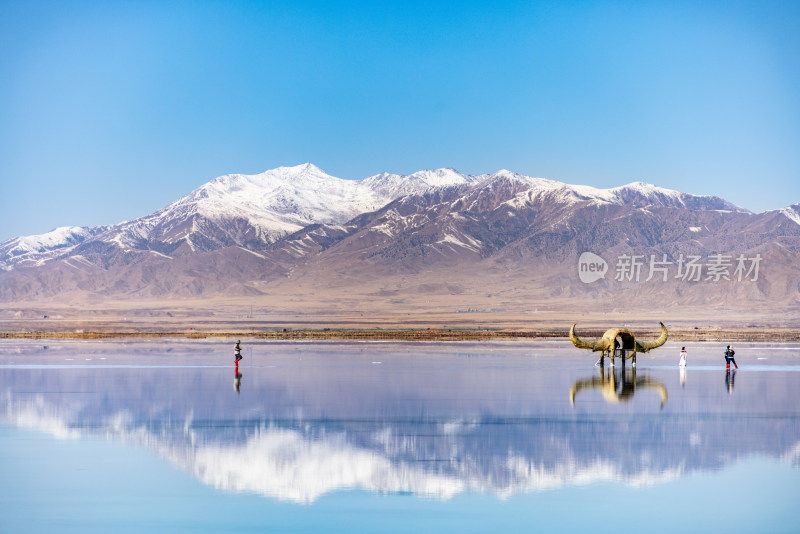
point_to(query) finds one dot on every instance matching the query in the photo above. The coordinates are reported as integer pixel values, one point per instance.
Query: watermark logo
(688, 268)
(591, 267)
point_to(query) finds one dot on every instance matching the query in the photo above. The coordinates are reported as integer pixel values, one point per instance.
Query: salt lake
(171, 435)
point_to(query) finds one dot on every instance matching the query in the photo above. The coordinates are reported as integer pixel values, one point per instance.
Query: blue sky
(111, 110)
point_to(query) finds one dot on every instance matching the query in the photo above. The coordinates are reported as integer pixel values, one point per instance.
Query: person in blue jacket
(729, 352)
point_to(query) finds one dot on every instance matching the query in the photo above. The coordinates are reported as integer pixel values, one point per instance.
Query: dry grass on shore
(326, 334)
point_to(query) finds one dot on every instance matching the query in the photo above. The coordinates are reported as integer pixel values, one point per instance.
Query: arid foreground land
(231, 318)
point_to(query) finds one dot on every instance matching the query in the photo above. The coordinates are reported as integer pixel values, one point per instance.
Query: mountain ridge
(492, 241)
(278, 210)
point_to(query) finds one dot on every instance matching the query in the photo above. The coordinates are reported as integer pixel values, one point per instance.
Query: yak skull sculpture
(620, 339)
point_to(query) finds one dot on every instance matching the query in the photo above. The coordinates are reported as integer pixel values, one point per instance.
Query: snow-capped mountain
(274, 203)
(506, 214)
(642, 195)
(297, 227)
(252, 211)
(393, 186)
(39, 248)
(233, 210)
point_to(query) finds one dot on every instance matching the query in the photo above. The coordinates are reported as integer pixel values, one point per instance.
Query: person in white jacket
(683, 357)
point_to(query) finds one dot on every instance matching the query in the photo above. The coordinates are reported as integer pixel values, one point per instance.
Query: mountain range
(298, 240)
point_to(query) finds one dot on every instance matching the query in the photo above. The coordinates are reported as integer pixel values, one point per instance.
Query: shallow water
(393, 437)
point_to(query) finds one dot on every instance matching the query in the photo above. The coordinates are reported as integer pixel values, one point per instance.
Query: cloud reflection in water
(432, 428)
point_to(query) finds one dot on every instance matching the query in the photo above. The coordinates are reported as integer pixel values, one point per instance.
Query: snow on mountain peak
(310, 167)
(792, 212)
(440, 177)
(33, 247)
(393, 186)
(263, 207)
(285, 199)
(643, 194)
(62, 236)
(281, 200)
(306, 170)
(635, 192)
(539, 183)
(505, 173)
(266, 180)
(646, 189)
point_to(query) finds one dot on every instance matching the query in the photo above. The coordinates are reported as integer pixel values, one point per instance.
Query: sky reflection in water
(381, 436)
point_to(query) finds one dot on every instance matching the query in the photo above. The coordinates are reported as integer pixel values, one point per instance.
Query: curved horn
(648, 383)
(583, 344)
(649, 345)
(579, 385)
(663, 391)
(573, 390)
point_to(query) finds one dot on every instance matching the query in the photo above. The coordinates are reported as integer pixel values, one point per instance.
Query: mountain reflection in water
(400, 418)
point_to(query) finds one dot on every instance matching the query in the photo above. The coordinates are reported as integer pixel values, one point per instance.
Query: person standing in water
(682, 363)
(237, 351)
(729, 352)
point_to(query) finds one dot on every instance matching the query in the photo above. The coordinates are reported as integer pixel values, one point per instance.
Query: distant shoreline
(678, 334)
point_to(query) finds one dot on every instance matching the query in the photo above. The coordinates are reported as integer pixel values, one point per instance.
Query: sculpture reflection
(618, 385)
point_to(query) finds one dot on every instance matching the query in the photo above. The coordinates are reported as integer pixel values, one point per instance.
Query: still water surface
(170, 436)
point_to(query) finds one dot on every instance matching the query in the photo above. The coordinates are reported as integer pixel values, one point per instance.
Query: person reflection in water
(729, 378)
(237, 378)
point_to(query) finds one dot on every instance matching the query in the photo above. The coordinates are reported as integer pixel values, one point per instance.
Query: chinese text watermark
(690, 268)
